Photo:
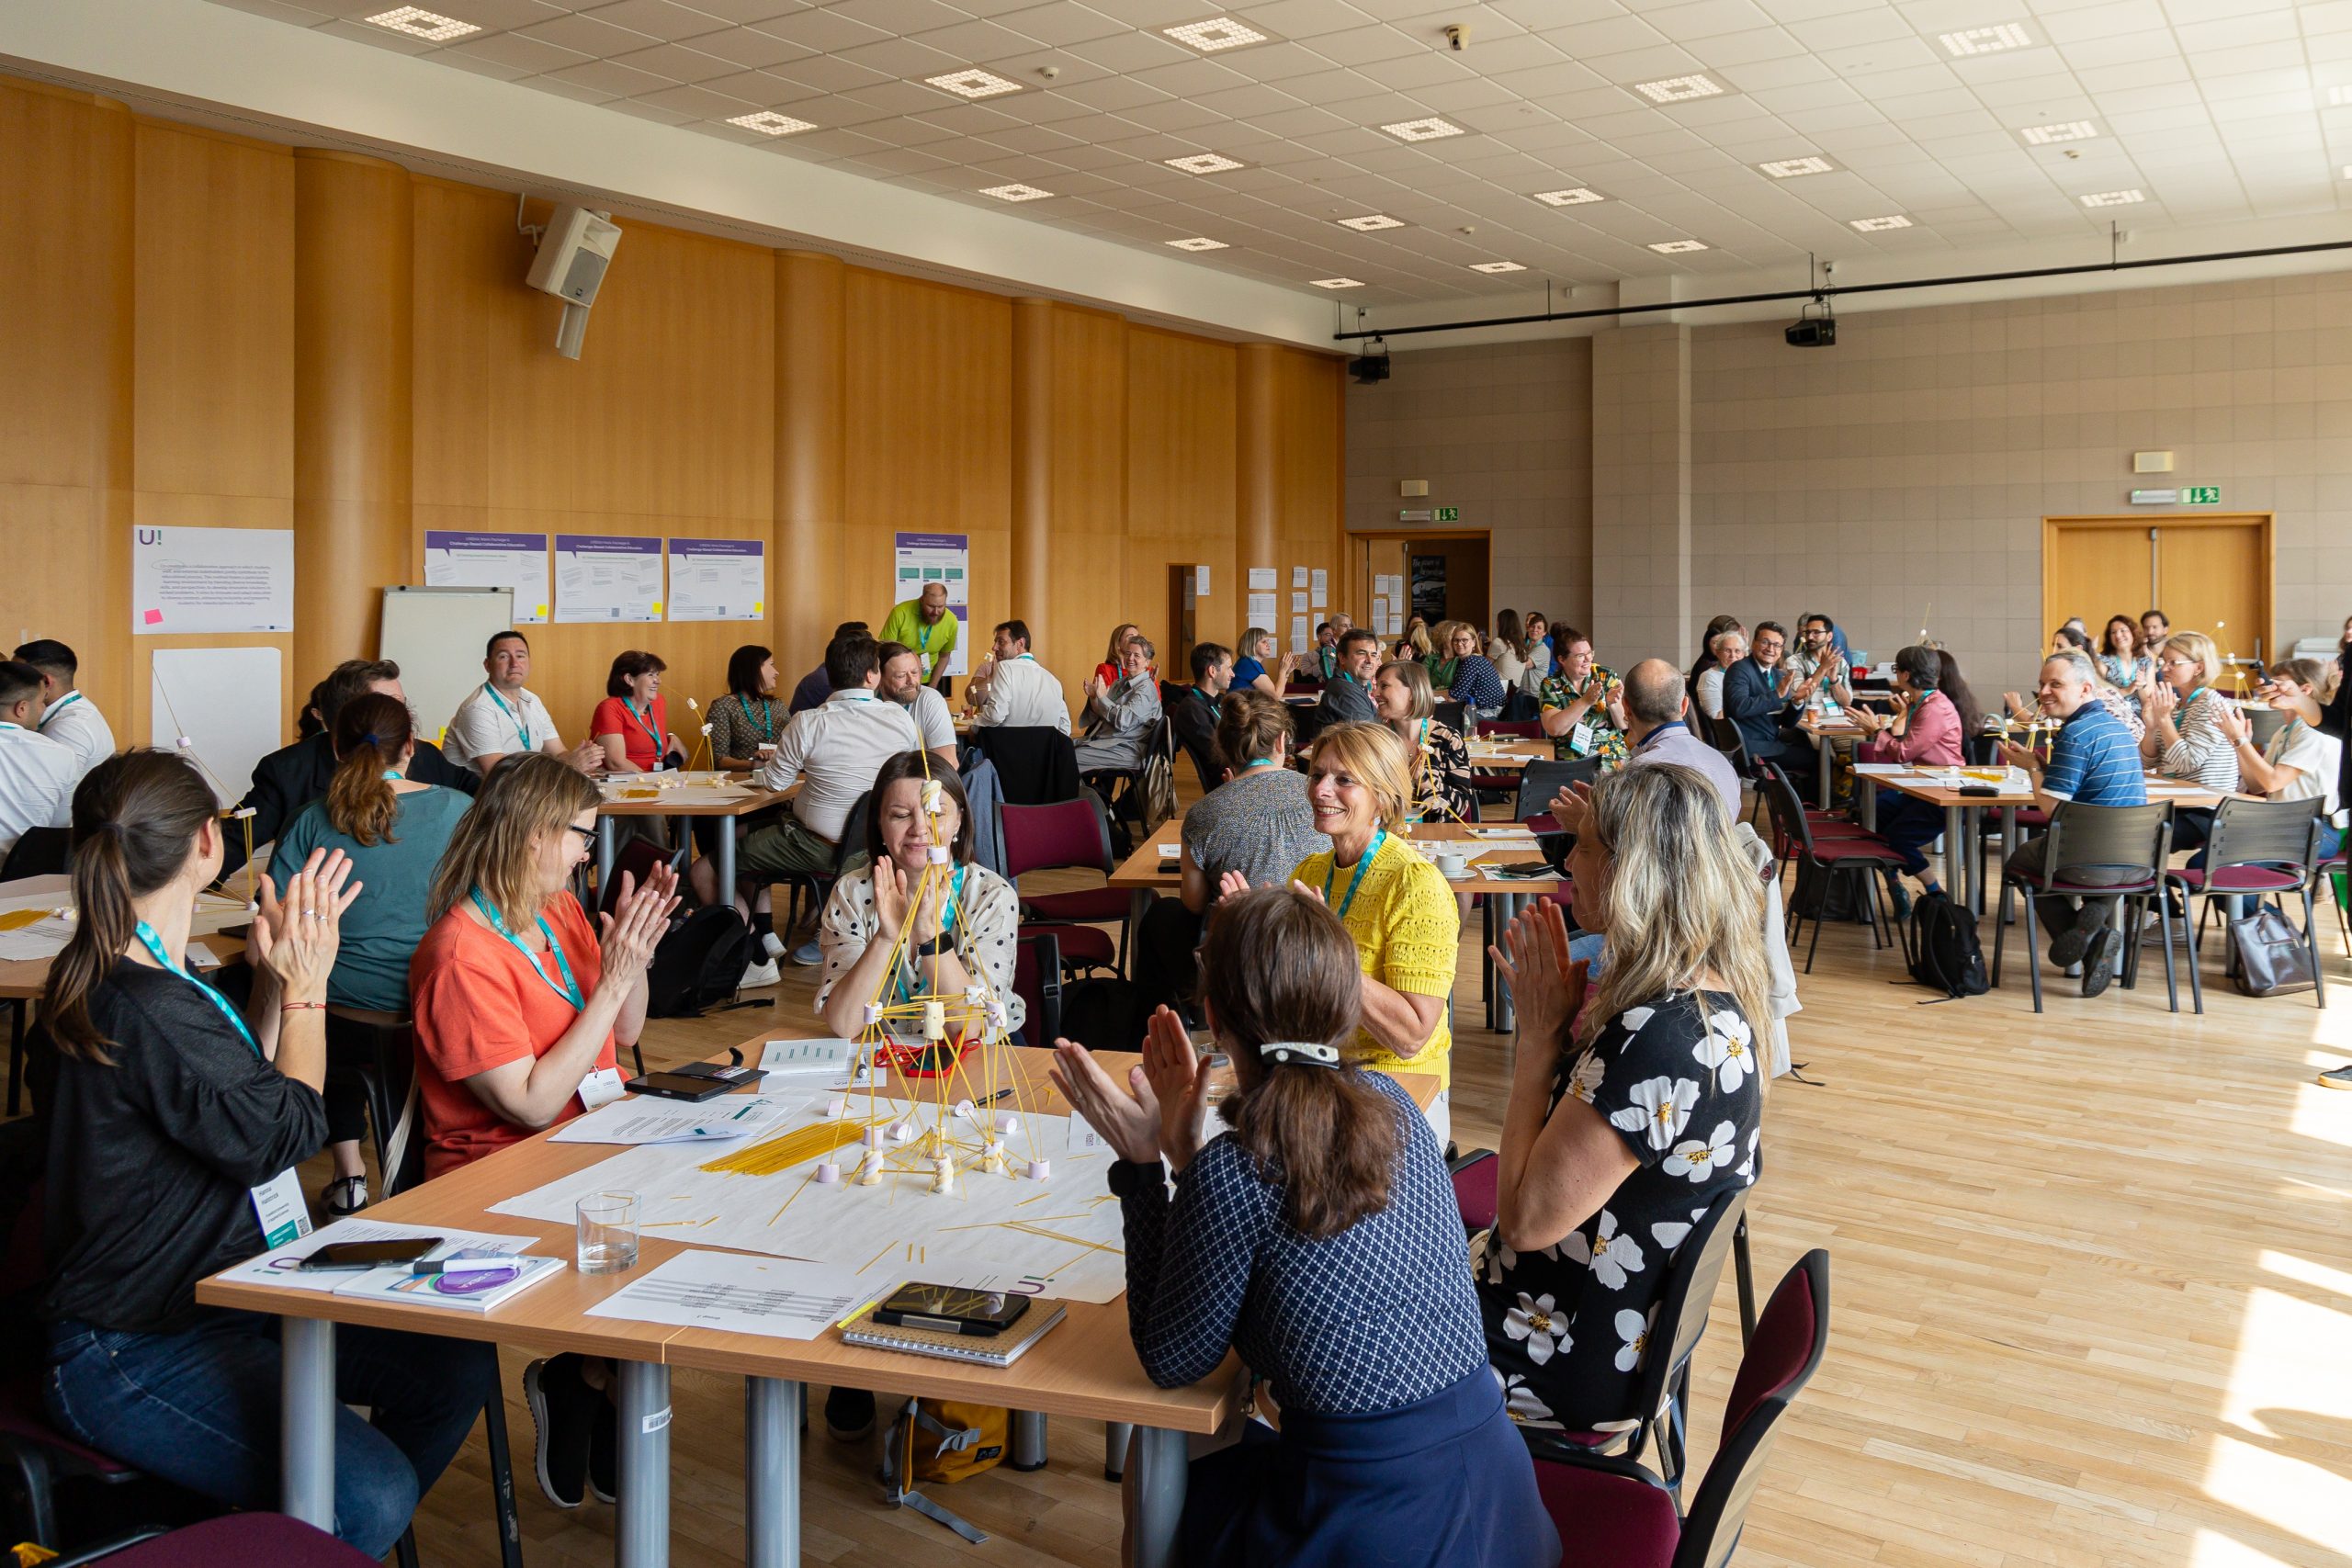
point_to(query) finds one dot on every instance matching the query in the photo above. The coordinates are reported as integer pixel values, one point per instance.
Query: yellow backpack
(942, 1441)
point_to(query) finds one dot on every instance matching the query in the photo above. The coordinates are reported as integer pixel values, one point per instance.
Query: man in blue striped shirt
(2095, 762)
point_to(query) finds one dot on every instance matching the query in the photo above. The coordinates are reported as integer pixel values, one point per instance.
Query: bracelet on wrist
(301, 1006)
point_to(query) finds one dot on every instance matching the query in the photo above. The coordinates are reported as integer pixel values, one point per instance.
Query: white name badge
(601, 1086)
(1580, 737)
(279, 1205)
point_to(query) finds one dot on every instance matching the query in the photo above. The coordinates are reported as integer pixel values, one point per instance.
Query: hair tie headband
(1286, 1051)
(369, 740)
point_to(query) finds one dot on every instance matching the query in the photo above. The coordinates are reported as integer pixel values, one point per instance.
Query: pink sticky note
(154, 618)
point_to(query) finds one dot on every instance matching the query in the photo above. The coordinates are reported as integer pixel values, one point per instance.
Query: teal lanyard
(67, 701)
(522, 730)
(1215, 713)
(767, 714)
(570, 989)
(154, 945)
(1348, 900)
(392, 775)
(947, 929)
(645, 722)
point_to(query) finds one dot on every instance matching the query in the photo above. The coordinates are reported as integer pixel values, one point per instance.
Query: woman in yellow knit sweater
(1394, 905)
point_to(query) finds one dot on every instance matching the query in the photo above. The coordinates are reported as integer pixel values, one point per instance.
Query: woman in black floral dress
(1402, 699)
(1635, 1101)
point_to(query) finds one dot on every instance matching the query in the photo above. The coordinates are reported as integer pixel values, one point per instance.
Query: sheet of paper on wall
(1201, 581)
(1261, 610)
(1322, 580)
(211, 579)
(1297, 603)
(227, 702)
(1298, 577)
(607, 577)
(514, 562)
(920, 560)
(1261, 579)
(1300, 638)
(717, 579)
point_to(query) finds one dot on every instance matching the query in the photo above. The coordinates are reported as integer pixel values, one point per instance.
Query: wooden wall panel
(665, 426)
(1181, 454)
(1087, 591)
(213, 361)
(65, 400)
(1309, 481)
(928, 437)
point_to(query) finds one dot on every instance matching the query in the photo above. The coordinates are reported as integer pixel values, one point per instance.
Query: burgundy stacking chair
(1071, 834)
(234, 1540)
(1860, 855)
(2267, 849)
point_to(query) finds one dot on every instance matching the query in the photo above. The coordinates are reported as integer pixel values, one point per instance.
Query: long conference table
(1084, 1368)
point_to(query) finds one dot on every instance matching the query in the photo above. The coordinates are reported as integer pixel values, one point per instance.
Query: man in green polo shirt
(924, 625)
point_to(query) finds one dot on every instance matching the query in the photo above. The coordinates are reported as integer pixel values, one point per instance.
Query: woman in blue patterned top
(1635, 1101)
(1476, 684)
(1317, 1235)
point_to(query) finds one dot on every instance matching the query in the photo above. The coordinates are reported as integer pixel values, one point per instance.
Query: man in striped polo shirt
(2095, 762)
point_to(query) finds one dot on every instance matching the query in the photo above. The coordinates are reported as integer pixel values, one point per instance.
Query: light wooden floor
(2092, 1301)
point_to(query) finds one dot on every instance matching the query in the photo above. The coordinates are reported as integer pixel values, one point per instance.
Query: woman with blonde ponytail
(1636, 1101)
(392, 830)
(175, 1122)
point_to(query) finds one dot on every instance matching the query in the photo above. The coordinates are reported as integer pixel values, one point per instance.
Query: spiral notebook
(987, 1350)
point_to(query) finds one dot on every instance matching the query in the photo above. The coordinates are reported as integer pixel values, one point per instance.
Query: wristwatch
(936, 946)
(1134, 1179)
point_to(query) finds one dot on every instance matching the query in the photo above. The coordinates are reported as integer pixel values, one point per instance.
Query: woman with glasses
(2187, 736)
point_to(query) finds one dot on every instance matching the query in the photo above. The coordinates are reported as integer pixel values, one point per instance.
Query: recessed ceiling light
(1199, 243)
(2064, 130)
(1790, 168)
(1370, 220)
(1986, 41)
(2113, 198)
(1219, 32)
(1677, 247)
(974, 83)
(1879, 225)
(1016, 193)
(2337, 97)
(1496, 266)
(1678, 89)
(2347, 171)
(1429, 129)
(1574, 198)
(1337, 283)
(767, 122)
(1203, 163)
(417, 22)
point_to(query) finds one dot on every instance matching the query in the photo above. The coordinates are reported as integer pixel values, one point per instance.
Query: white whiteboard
(436, 636)
(225, 701)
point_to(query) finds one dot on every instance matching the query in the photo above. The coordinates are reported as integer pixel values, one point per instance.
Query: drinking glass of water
(608, 1233)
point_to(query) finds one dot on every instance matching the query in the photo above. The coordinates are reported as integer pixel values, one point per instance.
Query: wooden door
(2207, 574)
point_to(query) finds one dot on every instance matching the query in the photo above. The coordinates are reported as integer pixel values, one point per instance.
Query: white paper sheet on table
(276, 1269)
(638, 1119)
(1884, 770)
(743, 1294)
(45, 938)
(797, 1066)
(1065, 1229)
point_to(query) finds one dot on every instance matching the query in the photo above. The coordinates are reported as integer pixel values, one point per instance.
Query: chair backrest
(1037, 764)
(2265, 722)
(1066, 834)
(1681, 1317)
(1789, 826)
(2107, 838)
(387, 1046)
(1782, 1356)
(1540, 780)
(2262, 832)
(853, 839)
(1451, 714)
(1306, 723)
(43, 851)
(1037, 981)
(635, 859)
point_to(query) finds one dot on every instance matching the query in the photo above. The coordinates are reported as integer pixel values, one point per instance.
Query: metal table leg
(607, 841)
(1028, 1440)
(641, 1516)
(1508, 906)
(1826, 753)
(726, 858)
(1158, 1461)
(1956, 860)
(772, 1473)
(306, 1420)
(1972, 828)
(1866, 797)
(2008, 846)
(1117, 1436)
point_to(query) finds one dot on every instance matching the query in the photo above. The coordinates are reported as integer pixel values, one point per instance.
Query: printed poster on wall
(920, 559)
(607, 577)
(717, 579)
(211, 579)
(515, 562)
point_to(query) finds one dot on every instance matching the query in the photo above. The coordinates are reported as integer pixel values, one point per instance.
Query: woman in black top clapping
(175, 1124)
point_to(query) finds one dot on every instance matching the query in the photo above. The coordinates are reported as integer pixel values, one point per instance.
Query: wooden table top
(738, 796)
(1495, 844)
(1502, 755)
(1922, 785)
(1086, 1367)
(28, 977)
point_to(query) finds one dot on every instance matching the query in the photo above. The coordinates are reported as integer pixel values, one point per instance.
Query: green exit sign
(1454, 514)
(2201, 495)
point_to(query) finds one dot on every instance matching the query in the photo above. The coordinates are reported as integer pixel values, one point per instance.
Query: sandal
(345, 1196)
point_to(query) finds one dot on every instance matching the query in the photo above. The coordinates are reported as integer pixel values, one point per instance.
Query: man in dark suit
(1756, 698)
(291, 777)
(1347, 695)
(1192, 710)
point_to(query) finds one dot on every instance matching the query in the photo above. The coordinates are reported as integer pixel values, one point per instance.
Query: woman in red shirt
(519, 1008)
(1925, 732)
(633, 721)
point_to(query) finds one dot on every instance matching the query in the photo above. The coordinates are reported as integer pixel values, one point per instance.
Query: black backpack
(1939, 947)
(698, 964)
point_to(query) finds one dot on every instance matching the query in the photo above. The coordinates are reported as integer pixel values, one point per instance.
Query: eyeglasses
(587, 835)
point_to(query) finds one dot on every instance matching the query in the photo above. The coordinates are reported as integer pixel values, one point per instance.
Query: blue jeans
(200, 1408)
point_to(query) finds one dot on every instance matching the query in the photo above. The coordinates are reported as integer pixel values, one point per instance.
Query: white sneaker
(764, 973)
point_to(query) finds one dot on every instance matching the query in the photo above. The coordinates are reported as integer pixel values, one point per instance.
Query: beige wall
(1904, 473)
(1506, 434)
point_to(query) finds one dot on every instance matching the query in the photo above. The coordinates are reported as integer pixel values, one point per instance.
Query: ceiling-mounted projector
(1373, 365)
(573, 254)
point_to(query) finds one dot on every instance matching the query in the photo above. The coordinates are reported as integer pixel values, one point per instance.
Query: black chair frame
(2109, 838)
(2277, 836)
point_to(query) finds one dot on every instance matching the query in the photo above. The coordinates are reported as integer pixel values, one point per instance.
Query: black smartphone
(354, 1256)
(951, 1309)
(734, 1075)
(678, 1085)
